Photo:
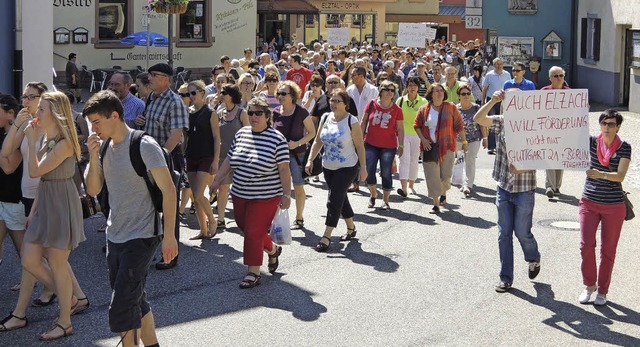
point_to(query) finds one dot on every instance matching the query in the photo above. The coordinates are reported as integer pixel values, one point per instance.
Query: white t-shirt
(432, 122)
(29, 184)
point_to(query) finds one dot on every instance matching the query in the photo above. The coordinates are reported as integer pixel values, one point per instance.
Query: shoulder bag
(433, 154)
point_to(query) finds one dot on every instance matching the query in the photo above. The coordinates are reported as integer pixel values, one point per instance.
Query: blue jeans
(515, 214)
(386, 157)
(492, 134)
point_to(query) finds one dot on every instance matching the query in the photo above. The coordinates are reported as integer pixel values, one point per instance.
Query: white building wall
(35, 38)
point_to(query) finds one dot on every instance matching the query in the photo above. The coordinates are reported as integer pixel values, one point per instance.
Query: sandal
(9, 317)
(192, 209)
(68, 331)
(181, 216)
(299, 224)
(443, 200)
(385, 206)
(41, 303)
(221, 224)
(273, 266)
(77, 309)
(351, 233)
(372, 202)
(321, 246)
(213, 198)
(250, 280)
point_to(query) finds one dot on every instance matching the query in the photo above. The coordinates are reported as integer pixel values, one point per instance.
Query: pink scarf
(606, 152)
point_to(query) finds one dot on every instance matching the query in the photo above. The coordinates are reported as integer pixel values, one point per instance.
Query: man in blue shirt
(518, 80)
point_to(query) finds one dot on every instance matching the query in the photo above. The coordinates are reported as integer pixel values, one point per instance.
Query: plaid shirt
(165, 112)
(513, 183)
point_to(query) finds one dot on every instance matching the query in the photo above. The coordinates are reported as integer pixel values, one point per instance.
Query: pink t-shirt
(381, 127)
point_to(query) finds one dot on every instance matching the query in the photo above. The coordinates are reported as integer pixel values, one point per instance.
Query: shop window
(309, 20)
(357, 21)
(590, 40)
(114, 20)
(335, 20)
(195, 25)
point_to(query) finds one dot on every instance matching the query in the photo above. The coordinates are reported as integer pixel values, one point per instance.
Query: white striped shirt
(254, 158)
(600, 190)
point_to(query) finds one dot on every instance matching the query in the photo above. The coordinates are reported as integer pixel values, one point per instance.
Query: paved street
(410, 279)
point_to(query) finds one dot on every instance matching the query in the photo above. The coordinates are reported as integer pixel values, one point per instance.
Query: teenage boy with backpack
(134, 229)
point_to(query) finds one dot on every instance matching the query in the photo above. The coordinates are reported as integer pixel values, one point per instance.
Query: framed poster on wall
(515, 49)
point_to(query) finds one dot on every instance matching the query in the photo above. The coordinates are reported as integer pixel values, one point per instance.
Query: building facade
(609, 51)
(538, 31)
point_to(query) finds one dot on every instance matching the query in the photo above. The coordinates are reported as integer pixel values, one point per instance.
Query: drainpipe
(573, 57)
(9, 72)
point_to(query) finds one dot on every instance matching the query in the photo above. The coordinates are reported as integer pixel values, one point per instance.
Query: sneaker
(402, 193)
(585, 296)
(601, 299)
(492, 152)
(503, 287)
(466, 191)
(556, 192)
(549, 193)
(443, 200)
(435, 210)
(534, 269)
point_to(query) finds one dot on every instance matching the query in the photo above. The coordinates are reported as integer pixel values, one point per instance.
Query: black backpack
(140, 169)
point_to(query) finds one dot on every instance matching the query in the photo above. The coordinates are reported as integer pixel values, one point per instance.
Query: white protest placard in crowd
(430, 33)
(338, 36)
(412, 34)
(547, 129)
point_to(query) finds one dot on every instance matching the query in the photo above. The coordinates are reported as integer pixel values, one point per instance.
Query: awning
(452, 10)
(286, 7)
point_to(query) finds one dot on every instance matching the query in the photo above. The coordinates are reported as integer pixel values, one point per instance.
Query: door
(627, 61)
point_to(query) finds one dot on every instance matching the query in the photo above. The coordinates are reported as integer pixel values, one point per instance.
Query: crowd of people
(253, 134)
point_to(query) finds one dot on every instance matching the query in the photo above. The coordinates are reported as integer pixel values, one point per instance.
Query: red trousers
(254, 218)
(610, 217)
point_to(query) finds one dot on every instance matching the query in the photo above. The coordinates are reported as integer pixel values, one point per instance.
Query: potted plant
(168, 6)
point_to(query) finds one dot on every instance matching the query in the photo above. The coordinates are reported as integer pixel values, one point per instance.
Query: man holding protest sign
(494, 81)
(553, 179)
(515, 200)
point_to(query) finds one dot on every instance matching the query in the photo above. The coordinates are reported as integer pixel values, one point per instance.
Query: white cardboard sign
(412, 34)
(547, 129)
(338, 36)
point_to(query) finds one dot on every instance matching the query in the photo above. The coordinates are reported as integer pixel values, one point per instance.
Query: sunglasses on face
(335, 101)
(271, 80)
(158, 74)
(30, 97)
(558, 76)
(517, 70)
(282, 93)
(465, 94)
(332, 82)
(388, 90)
(609, 124)
(316, 85)
(255, 113)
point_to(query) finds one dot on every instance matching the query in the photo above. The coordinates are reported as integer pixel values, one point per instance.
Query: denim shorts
(296, 169)
(128, 266)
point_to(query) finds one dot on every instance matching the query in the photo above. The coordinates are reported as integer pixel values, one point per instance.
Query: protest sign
(338, 36)
(412, 34)
(547, 129)
(430, 33)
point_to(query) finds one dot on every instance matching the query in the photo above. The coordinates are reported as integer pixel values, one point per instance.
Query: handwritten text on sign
(412, 34)
(547, 129)
(338, 36)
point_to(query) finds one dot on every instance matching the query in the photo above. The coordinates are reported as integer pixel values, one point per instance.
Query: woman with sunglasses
(231, 118)
(410, 104)
(474, 134)
(246, 85)
(271, 81)
(259, 158)
(343, 160)
(16, 141)
(202, 154)
(315, 91)
(602, 204)
(383, 138)
(293, 122)
(439, 122)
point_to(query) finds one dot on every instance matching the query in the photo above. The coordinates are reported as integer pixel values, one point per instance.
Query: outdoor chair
(98, 78)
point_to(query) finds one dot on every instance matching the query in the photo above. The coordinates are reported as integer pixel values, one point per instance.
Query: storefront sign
(232, 20)
(74, 3)
(338, 36)
(333, 5)
(547, 129)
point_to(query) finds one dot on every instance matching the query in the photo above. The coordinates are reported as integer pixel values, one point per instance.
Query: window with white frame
(590, 39)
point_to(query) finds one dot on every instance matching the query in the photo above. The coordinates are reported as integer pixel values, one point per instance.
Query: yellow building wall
(414, 7)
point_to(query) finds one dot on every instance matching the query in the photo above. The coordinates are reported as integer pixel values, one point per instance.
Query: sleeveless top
(10, 184)
(200, 138)
(292, 127)
(339, 149)
(228, 129)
